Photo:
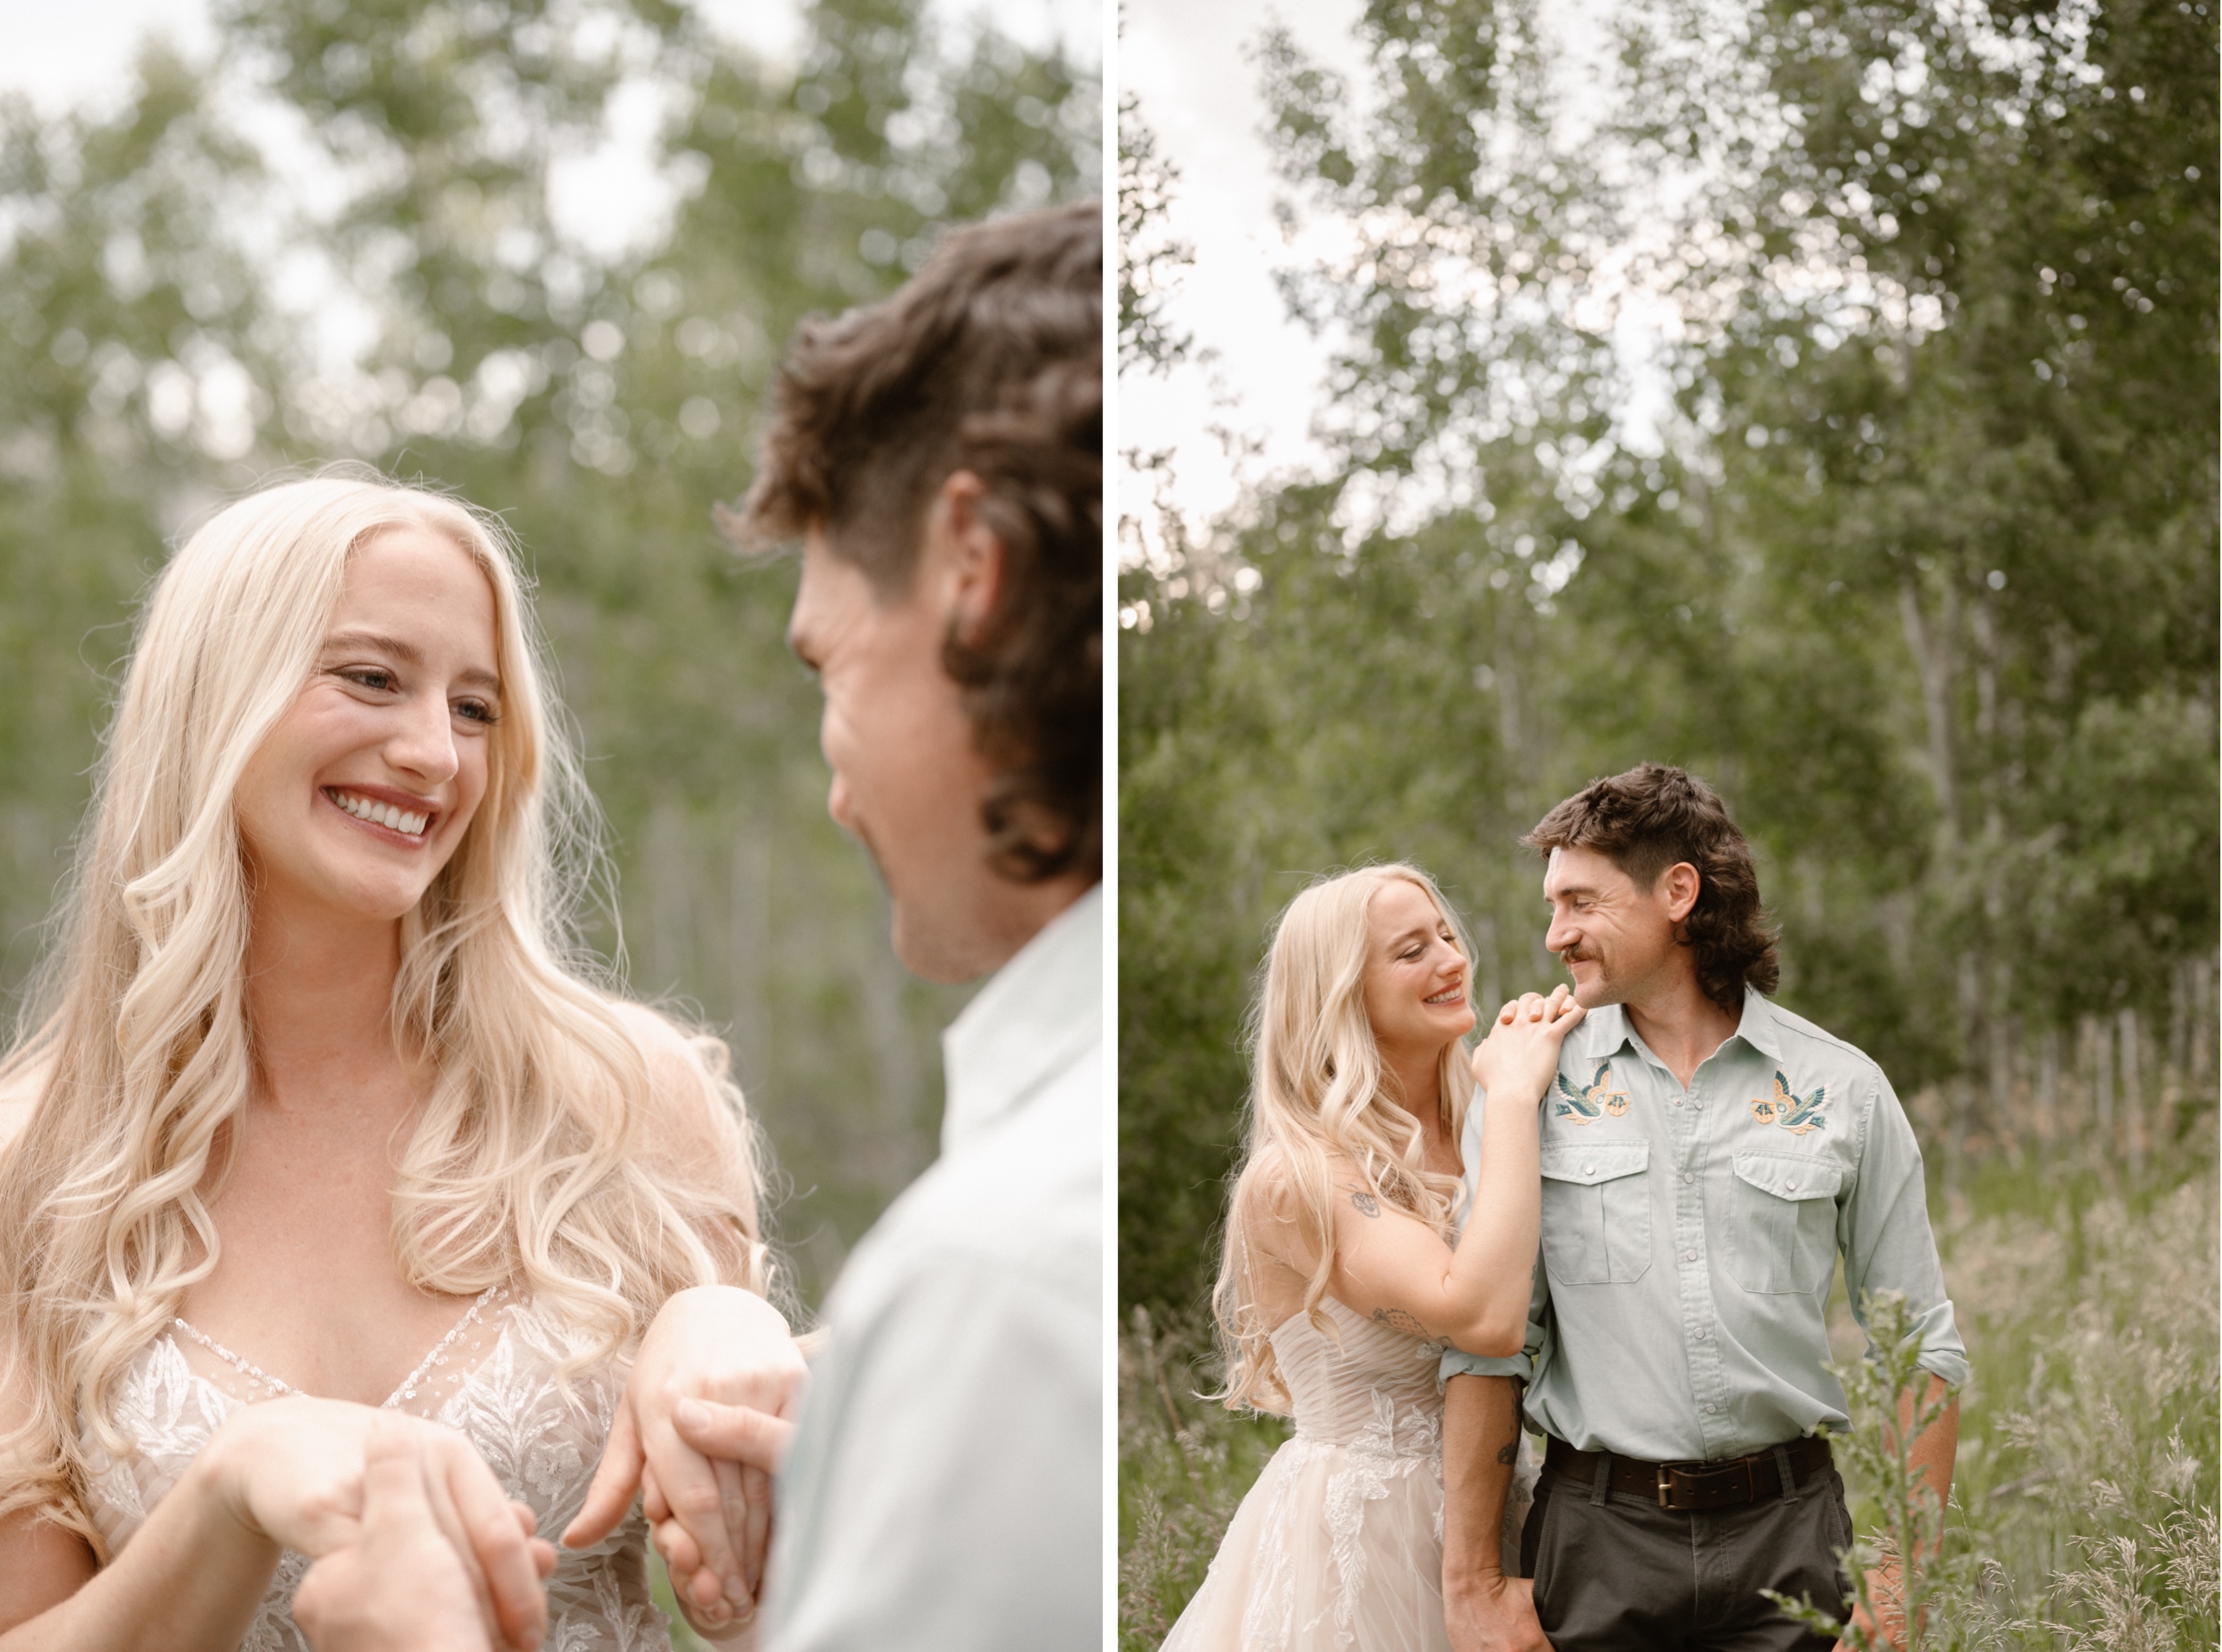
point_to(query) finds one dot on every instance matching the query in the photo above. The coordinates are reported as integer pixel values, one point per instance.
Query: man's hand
(1485, 1610)
(1888, 1593)
(724, 1433)
(730, 1347)
(291, 1471)
(1931, 1457)
(400, 1585)
(1494, 1614)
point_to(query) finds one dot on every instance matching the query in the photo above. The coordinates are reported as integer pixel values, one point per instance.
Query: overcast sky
(63, 55)
(1189, 65)
(80, 54)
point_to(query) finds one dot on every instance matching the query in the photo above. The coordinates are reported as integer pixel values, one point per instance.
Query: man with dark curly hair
(1706, 1155)
(940, 455)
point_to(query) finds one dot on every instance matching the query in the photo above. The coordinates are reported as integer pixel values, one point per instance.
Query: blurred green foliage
(1903, 537)
(336, 241)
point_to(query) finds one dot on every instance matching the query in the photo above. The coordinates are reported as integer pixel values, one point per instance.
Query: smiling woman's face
(1415, 975)
(364, 789)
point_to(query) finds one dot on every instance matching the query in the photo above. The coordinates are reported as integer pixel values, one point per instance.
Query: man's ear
(964, 556)
(1680, 883)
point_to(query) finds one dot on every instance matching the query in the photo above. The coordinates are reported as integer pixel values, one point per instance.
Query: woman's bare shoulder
(1271, 1187)
(690, 1085)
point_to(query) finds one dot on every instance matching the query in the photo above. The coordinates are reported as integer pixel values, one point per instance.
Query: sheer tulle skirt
(1337, 1548)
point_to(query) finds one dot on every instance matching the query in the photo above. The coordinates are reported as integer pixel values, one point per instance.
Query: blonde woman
(317, 1118)
(1344, 1272)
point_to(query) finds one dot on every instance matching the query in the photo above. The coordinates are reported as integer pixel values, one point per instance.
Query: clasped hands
(1521, 1053)
(706, 1421)
(373, 1496)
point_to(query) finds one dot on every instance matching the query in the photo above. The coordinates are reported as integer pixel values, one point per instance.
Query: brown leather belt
(1690, 1486)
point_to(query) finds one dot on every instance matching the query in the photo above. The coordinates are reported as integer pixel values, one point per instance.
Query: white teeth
(380, 814)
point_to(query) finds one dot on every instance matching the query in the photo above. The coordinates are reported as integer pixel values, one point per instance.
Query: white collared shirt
(945, 1488)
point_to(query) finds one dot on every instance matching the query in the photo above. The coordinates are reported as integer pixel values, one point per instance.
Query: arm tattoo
(1508, 1453)
(1368, 1205)
(1397, 1320)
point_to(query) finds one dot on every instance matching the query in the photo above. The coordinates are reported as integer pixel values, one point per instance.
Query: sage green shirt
(1690, 1237)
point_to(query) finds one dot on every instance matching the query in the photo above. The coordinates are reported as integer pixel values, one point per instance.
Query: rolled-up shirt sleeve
(1458, 1362)
(1883, 1231)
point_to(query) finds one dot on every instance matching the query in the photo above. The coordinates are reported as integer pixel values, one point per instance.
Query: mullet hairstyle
(989, 361)
(1319, 1100)
(535, 1157)
(1648, 819)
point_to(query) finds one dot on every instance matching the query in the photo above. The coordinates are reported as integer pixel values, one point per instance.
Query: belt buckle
(1666, 1486)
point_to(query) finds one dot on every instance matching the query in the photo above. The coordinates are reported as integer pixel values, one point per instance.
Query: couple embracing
(1619, 1215)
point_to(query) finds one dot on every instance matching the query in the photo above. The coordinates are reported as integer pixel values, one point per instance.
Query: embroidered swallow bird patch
(1795, 1114)
(1594, 1100)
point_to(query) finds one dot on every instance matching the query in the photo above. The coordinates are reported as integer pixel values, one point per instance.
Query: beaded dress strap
(255, 1374)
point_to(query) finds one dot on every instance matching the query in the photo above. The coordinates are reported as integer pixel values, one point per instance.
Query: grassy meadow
(2084, 1500)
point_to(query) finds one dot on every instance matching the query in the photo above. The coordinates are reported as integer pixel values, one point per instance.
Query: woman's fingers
(682, 1558)
(700, 1590)
(615, 1480)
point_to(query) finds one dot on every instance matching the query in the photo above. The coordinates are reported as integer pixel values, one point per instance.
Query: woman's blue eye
(477, 711)
(371, 678)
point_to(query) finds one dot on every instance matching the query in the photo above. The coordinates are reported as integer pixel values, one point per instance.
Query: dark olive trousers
(1615, 1573)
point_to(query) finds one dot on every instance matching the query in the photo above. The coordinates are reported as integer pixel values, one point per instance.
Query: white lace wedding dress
(494, 1378)
(1339, 1544)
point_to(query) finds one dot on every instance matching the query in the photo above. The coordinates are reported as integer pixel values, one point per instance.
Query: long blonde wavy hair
(1321, 1108)
(534, 1159)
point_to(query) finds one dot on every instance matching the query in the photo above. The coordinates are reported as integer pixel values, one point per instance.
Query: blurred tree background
(335, 240)
(1903, 535)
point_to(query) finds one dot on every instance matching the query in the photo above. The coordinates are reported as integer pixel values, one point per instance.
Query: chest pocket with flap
(1784, 1235)
(1597, 1212)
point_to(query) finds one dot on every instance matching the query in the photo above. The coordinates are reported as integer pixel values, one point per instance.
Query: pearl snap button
(1792, 1184)
(1687, 1177)
(1689, 1256)
(1698, 1333)
(1591, 1169)
(1710, 1407)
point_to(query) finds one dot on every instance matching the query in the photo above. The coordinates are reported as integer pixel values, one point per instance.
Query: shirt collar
(1034, 1015)
(1762, 1025)
(1606, 1030)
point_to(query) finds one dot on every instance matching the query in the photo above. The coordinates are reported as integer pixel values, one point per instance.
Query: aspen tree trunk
(2132, 1097)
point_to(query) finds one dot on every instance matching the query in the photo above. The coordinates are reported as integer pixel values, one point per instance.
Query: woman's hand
(730, 1347)
(1519, 1058)
(291, 1472)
